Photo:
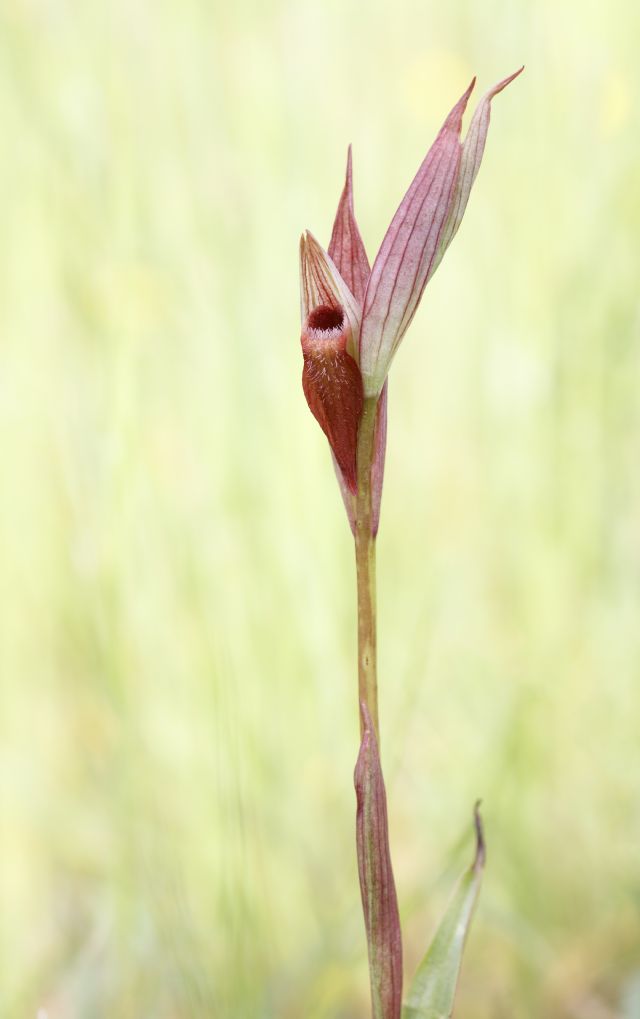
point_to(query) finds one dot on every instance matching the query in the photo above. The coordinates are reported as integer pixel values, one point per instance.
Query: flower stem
(366, 567)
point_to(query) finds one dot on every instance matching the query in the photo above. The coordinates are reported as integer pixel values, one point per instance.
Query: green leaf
(433, 990)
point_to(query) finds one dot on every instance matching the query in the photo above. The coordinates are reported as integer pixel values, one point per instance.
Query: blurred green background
(177, 659)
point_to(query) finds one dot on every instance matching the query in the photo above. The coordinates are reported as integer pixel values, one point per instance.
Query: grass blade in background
(433, 989)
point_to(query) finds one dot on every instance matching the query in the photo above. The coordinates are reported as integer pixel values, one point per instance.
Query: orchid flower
(354, 318)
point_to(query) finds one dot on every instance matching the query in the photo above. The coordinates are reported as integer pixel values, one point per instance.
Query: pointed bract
(402, 266)
(472, 152)
(347, 251)
(346, 246)
(377, 887)
(332, 384)
(420, 233)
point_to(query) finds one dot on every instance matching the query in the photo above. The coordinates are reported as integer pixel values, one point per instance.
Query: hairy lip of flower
(332, 383)
(325, 327)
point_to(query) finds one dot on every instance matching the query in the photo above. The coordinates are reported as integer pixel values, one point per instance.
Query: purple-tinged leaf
(407, 253)
(433, 990)
(472, 152)
(377, 470)
(332, 384)
(346, 247)
(379, 901)
(322, 284)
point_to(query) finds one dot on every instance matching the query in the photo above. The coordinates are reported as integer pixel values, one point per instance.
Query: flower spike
(346, 246)
(347, 362)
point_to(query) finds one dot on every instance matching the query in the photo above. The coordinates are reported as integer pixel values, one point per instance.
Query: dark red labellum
(332, 384)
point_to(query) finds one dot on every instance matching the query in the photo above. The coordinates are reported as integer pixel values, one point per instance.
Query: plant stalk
(365, 546)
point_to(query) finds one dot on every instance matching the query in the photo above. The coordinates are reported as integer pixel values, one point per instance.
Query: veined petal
(346, 246)
(377, 887)
(332, 384)
(322, 284)
(407, 253)
(472, 152)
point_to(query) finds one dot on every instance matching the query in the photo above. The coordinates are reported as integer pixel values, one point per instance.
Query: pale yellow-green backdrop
(178, 706)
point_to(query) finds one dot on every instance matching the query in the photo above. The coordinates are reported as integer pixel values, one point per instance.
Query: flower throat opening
(325, 319)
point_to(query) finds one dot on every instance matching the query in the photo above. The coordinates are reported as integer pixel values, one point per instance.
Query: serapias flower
(354, 317)
(332, 383)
